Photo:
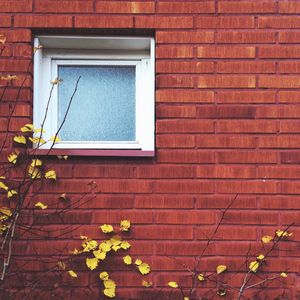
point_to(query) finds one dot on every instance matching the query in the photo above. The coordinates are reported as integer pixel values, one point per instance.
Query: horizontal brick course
(127, 7)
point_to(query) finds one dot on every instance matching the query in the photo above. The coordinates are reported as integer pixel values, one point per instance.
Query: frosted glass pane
(103, 108)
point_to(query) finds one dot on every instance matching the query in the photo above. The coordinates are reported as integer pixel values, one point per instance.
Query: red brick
(289, 188)
(182, 187)
(178, 111)
(223, 22)
(288, 142)
(93, 21)
(5, 21)
(227, 141)
(44, 21)
(225, 112)
(279, 202)
(164, 201)
(246, 67)
(289, 37)
(247, 187)
(230, 233)
(290, 157)
(163, 22)
(125, 7)
(185, 156)
(290, 126)
(163, 232)
(195, 126)
(276, 111)
(17, 35)
(289, 7)
(246, 37)
(174, 52)
(278, 172)
(13, 65)
(12, 93)
(289, 97)
(47, 6)
(169, 263)
(16, 6)
(246, 126)
(279, 52)
(225, 52)
(174, 81)
(217, 201)
(187, 67)
(224, 81)
(283, 81)
(279, 22)
(175, 141)
(21, 110)
(184, 37)
(246, 97)
(22, 51)
(247, 157)
(226, 172)
(250, 7)
(289, 218)
(186, 7)
(166, 171)
(184, 96)
(94, 171)
(187, 217)
(288, 67)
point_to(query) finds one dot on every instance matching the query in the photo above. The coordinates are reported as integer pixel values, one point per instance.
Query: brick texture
(227, 122)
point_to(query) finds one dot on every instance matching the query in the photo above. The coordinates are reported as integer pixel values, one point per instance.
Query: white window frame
(75, 50)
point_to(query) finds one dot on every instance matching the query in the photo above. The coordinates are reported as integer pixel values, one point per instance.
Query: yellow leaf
(221, 293)
(63, 197)
(2, 177)
(186, 298)
(106, 228)
(283, 275)
(221, 268)
(111, 293)
(2, 39)
(281, 233)
(144, 268)
(65, 157)
(20, 139)
(11, 193)
(127, 260)
(56, 81)
(105, 246)
(3, 186)
(36, 163)
(138, 262)
(116, 247)
(54, 139)
(125, 245)
(9, 77)
(50, 175)
(12, 158)
(173, 284)
(89, 245)
(99, 254)
(5, 213)
(37, 48)
(109, 284)
(61, 264)
(146, 283)
(3, 228)
(72, 274)
(260, 257)
(125, 225)
(39, 130)
(92, 263)
(254, 266)
(37, 140)
(40, 205)
(34, 173)
(104, 276)
(75, 251)
(267, 239)
(27, 128)
(201, 277)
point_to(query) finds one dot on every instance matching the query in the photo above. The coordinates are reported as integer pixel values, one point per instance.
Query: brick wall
(227, 122)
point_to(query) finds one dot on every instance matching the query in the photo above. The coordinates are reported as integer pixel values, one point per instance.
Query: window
(113, 106)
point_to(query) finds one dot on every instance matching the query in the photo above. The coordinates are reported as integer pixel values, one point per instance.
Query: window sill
(92, 152)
